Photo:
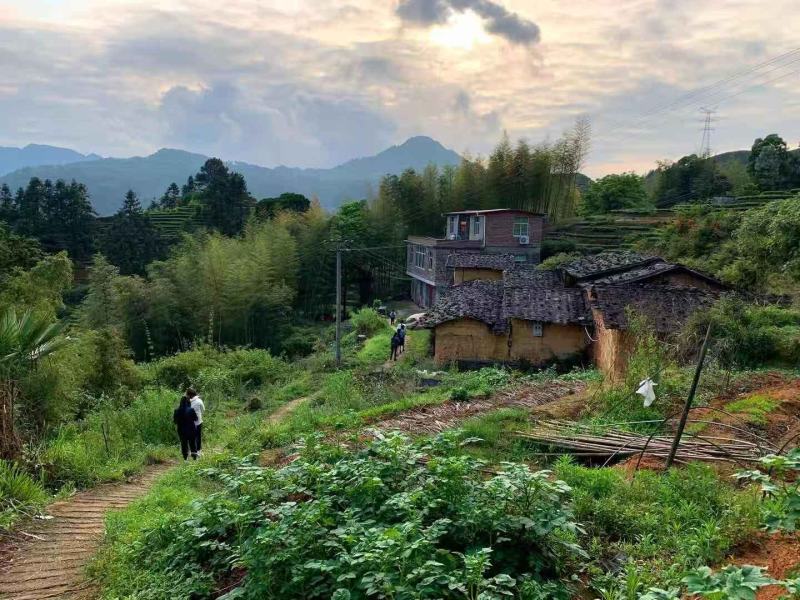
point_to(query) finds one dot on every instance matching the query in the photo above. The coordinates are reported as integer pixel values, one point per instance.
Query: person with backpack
(184, 418)
(199, 408)
(401, 332)
(392, 317)
(395, 345)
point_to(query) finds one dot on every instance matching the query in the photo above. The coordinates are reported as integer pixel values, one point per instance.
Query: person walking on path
(395, 345)
(184, 418)
(199, 408)
(392, 317)
(401, 332)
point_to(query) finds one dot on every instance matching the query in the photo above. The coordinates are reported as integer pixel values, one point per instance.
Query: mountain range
(109, 178)
(34, 155)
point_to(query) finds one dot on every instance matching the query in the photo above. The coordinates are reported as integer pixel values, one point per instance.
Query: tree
(16, 252)
(223, 196)
(41, 288)
(172, 197)
(7, 208)
(269, 207)
(131, 241)
(690, 179)
(59, 215)
(768, 163)
(614, 192)
(188, 188)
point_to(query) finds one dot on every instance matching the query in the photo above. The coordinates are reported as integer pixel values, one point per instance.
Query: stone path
(50, 555)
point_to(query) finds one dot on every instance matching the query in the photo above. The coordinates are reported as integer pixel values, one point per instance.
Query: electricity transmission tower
(705, 143)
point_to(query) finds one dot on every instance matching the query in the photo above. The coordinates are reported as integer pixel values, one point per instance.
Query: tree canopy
(614, 192)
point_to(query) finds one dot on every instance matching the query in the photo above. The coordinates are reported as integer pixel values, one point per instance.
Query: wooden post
(690, 398)
(338, 305)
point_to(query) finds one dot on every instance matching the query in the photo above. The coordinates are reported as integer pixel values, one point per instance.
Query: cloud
(497, 18)
(292, 127)
(314, 84)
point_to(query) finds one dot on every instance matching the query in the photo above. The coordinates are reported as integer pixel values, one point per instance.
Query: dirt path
(50, 556)
(48, 559)
(285, 410)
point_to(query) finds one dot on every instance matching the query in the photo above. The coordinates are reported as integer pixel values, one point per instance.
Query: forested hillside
(369, 477)
(108, 179)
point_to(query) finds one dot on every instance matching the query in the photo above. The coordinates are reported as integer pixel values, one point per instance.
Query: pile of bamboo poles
(587, 441)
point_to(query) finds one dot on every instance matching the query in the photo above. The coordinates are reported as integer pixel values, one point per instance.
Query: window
(452, 228)
(419, 257)
(538, 329)
(520, 226)
(430, 259)
(520, 258)
(476, 225)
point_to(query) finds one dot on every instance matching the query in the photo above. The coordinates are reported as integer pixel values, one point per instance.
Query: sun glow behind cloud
(463, 31)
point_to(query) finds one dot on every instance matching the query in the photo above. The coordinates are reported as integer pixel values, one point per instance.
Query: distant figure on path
(199, 409)
(401, 332)
(184, 418)
(392, 317)
(395, 345)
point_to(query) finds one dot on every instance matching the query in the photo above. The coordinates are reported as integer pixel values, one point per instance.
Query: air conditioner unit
(452, 236)
(523, 240)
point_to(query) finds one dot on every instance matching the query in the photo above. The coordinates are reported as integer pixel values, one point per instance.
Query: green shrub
(368, 322)
(558, 260)
(395, 520)
(241, 366)
(19, 493)
(748, 335)
(113, 442)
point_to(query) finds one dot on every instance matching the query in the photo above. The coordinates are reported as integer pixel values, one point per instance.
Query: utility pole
(688, 406)
(338, 304)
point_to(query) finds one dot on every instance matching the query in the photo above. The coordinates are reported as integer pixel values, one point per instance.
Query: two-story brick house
(431, 261)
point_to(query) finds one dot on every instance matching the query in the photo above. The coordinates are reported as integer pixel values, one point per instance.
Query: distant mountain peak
(108, 179)
(35, 155)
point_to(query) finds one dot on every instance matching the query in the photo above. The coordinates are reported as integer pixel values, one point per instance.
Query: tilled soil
(778, 553)
(48, 557)
(435, 419)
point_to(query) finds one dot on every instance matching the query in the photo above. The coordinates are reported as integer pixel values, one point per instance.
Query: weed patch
(756, 408)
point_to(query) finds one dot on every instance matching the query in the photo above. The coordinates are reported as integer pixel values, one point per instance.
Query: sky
(313, 83)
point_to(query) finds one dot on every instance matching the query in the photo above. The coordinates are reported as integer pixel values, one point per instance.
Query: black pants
(188, 444)
(394, 353)
(199, 443)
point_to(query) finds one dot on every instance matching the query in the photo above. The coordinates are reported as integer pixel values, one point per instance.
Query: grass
(20, 494)
(113, 442)
(663, 523)
(492, 430)
(375, 350)
(170, 498)
(755, 408)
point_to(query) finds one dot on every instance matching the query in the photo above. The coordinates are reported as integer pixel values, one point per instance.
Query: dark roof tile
(605, 262)
(478, 299)
(498, 262)
(666, 307)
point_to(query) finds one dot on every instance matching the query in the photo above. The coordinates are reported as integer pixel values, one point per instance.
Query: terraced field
(621, 228)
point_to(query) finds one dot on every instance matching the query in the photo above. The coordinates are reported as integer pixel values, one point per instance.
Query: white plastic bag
(647, 391)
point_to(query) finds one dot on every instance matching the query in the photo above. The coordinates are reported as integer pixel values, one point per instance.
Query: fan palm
(24, 339)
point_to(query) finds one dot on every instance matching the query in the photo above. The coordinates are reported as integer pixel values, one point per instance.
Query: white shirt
(199, 408)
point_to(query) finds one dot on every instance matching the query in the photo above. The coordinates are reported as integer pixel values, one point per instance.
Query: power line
(703, 92)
